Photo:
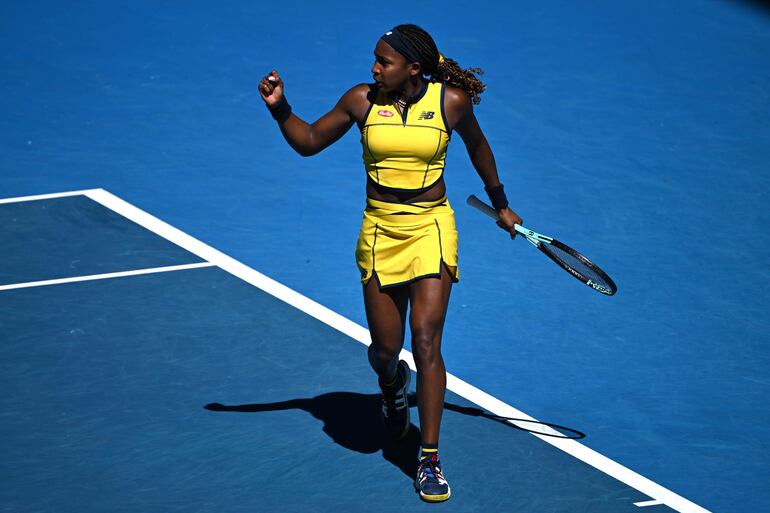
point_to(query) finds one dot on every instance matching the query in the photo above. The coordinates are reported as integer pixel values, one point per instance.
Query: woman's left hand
(508, 218)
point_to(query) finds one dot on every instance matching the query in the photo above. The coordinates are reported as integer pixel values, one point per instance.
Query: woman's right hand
(271, 89)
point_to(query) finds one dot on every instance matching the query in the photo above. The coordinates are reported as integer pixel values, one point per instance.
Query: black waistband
(394, 190)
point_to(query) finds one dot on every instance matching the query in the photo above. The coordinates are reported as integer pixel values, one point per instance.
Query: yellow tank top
(406, 153)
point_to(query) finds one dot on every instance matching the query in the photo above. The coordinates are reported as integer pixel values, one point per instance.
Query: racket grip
(483, 207)
(531, 236)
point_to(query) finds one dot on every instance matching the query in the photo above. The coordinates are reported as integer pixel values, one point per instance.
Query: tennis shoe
(430, 480)
(395, 407)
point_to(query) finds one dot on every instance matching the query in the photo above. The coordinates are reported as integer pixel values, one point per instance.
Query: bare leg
(386, 315)
(429, 299)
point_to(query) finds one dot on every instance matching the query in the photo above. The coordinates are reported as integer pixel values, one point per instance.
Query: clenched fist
(271, 89)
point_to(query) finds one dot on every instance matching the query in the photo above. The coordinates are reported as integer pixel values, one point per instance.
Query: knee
(425, 346)
(381, 355)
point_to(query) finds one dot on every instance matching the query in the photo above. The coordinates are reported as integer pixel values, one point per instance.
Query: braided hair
(433, 63)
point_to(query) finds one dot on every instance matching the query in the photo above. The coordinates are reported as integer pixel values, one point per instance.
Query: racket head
(572, 261)
(579, 266)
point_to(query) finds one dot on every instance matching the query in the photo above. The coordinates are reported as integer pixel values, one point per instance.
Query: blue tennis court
(189, 388)
(182, 320)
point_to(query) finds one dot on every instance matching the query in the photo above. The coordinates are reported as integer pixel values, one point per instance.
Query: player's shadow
(352, 420)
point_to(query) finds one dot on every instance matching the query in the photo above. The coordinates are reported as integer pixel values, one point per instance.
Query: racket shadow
(529, 426)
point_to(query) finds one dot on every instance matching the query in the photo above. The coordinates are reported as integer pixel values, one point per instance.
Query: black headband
(402, 45)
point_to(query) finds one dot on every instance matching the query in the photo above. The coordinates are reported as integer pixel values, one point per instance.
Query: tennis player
(407, 247)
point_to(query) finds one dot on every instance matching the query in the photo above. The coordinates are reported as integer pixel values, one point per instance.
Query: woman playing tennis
(407, 247)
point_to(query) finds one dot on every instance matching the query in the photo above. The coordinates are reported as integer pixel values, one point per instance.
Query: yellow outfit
(399, 242)
(406, 152)
(405, 242)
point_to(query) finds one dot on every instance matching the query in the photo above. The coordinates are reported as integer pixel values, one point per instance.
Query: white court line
(353, 330)
(648, 503)
(43, 196)
(92, 277)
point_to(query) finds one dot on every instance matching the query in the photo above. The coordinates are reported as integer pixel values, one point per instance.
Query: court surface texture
(181, 319)
(155, 379)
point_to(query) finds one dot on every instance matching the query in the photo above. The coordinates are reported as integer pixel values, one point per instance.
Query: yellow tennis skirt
(401, 243)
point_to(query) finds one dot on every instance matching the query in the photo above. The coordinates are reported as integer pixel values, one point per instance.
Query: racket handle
(483, 207)
(532, 237)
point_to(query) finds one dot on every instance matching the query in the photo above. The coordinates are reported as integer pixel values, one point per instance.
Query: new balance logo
(426, 115)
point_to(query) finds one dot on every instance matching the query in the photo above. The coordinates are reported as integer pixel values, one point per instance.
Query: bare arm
(460, 117)
(309, 139)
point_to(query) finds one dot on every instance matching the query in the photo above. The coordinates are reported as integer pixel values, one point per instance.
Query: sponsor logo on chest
(385, 113)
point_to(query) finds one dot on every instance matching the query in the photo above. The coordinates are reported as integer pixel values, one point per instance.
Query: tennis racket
(567, 258)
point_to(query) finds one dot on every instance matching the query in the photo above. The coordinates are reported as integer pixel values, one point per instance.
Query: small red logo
(385, 113)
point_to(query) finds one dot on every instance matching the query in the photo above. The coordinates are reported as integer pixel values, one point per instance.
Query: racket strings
(578, 265)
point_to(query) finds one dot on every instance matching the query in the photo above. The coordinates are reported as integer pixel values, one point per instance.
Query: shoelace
(430, 470)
